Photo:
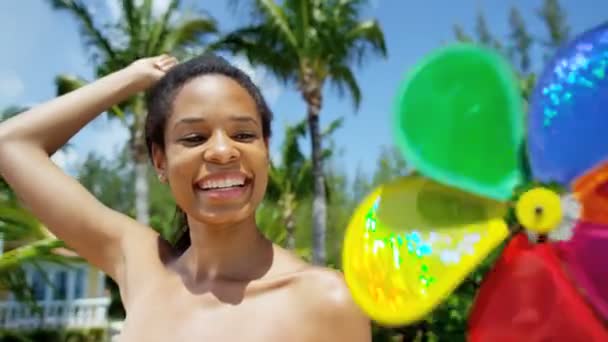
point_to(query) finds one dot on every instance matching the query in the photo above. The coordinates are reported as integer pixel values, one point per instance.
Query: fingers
(165, 62)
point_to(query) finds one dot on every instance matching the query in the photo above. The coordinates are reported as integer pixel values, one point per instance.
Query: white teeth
(223, 183)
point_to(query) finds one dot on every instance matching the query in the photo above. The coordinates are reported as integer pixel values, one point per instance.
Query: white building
(75, 298)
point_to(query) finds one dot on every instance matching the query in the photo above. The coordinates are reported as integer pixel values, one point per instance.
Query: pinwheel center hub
(539, 210)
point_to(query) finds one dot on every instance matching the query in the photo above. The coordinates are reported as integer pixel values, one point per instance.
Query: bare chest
(214, 315)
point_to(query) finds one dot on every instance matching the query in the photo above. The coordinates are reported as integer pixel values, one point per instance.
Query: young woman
(207, 133)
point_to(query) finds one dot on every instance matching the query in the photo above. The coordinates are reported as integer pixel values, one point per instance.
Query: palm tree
(27, 242)
(23, 236)
(291, 181)
(307, 43)
(140, 33)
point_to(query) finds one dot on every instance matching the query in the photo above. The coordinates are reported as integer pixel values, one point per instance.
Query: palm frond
(332, 127)
(131, 17)
(344, 80)
(303, 181)
(301, 13)
(146, 11)
(16, 223)
(188, 33)
(68, 83)
(16, 282)
(461, 34)
(370, 32)
(160, 29)
(41, 250)
(275, 15)
(276, 181)
(97, 38)
(262, 46)
(291, 155)
(12, 266)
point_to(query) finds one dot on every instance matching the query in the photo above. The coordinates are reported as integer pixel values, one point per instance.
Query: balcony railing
(77, 313)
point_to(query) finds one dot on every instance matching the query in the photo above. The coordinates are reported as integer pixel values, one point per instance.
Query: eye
(244, 136)
(193, 139)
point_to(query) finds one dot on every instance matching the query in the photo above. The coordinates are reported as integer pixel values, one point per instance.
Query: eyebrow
(238, 118)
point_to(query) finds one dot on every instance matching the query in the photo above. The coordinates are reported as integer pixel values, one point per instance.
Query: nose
(220, 149)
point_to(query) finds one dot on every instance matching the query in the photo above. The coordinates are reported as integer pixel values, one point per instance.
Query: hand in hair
(67, 209)
(152, 69)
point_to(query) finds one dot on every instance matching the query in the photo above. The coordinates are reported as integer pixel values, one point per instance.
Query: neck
(233, 252)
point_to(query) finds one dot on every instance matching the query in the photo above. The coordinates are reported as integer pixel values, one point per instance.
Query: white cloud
(11, 85)
(66, 158)
(261, 77)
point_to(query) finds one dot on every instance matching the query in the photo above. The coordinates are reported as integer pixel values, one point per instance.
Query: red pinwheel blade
(585, 258)
(527, 297)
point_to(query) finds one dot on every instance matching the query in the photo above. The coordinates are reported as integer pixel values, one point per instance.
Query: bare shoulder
(328, 301)
(327, 285)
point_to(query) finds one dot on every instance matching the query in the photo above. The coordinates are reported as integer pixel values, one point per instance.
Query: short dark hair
(160, 97)
(159, 102)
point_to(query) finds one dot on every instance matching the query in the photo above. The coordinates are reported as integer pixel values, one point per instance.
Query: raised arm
(27, 140)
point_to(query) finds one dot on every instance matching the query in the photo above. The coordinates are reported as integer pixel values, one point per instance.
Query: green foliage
(339, 210)
(483, 33)
(48, 335)
(24, 239)
(304, 43)
(391, 165)
(308, 44)
(114, 46)
(270, 223)
(308, 41)
(554, 19)
(294, 173)
(521, 41)
(448, 322)
(140, 33)
(109, 181)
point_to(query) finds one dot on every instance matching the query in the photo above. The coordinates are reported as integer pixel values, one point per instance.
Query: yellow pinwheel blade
(411, 242)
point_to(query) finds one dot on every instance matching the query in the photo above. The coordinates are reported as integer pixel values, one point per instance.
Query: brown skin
(232, 284)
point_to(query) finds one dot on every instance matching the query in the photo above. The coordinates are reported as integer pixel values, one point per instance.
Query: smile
(224, 185)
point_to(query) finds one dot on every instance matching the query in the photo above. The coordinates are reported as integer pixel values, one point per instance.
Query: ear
(160, 162)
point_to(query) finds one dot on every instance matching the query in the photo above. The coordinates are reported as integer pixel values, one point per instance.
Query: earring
(161, 177)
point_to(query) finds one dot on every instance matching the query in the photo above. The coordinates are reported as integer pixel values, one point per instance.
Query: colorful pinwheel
(460, 121)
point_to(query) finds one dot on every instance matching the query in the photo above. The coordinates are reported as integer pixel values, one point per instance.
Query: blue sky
(39, 43)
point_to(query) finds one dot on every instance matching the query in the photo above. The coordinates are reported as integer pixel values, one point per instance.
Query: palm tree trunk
(313, 99)
(140, 158)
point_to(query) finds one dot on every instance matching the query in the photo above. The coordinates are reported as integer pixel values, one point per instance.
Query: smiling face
(215, 157)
